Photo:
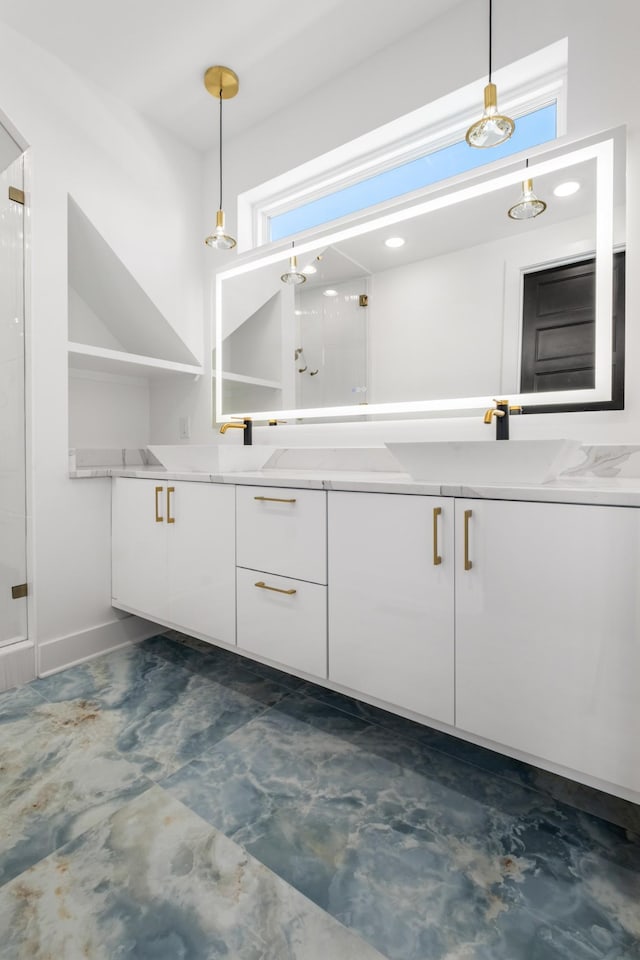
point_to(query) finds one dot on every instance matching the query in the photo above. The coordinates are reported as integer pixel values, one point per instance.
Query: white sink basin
(211, 457)
(486, 461)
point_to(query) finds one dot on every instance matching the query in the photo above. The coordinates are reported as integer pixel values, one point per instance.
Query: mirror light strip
(602, 151)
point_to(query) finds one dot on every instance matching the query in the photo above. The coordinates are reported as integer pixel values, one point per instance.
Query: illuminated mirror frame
(600, 149)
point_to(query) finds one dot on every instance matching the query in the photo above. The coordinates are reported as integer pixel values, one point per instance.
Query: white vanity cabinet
(391, 591)
(548, 633)
(173, 554)
(281, 575)
(530, 624)
(515, 624)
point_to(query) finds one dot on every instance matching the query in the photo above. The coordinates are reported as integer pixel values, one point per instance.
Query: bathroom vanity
(493, 613)
(504, 613)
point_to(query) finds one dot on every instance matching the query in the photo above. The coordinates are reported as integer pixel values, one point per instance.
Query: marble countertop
(612, 491)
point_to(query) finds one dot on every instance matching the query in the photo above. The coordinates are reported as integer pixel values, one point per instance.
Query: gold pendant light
(528, 206)
(223, 83)
(293, 275)
(492, 128)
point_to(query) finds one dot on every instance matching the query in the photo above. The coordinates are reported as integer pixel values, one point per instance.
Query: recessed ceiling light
(309, 269)
(566, 189)
(395, 242)
(329, 293)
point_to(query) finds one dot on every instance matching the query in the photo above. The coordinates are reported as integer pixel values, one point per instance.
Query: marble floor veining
(171, 800)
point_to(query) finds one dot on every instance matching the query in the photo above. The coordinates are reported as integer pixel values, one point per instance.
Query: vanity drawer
(287, 627)
(282, 531)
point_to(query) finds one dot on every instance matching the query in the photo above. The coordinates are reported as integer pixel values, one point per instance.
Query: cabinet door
(201, 558)
(390, 603)
(139, 546)
(548, 633)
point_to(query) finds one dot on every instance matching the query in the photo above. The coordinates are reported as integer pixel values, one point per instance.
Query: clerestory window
(397, 161)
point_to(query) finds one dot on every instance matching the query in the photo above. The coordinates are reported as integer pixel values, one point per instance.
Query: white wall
(108, 411)
(85, 326)
(602, 93)
(142, 191)
(436, 327)
(255, 347)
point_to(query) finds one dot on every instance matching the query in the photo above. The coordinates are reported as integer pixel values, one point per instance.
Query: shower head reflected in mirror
(299, 357)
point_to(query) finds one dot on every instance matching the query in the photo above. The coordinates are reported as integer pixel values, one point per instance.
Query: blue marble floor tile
(59, 775)
(222, 666)
(425, 856)
(425, 847)
(600, 804)
(155, 882)
(106, 728)
(112, 677)
(218, 654)
(15, 703)
(160, 714)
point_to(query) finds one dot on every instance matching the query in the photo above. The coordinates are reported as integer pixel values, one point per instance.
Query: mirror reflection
(463, 301)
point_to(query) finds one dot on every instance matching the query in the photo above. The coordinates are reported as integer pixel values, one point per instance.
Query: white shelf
(103, 360)
(253, 381)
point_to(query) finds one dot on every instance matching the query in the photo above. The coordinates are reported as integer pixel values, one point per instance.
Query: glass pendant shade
(293, 275)
(528, 206)
(220, 240)
(492, 128)
(222, 83)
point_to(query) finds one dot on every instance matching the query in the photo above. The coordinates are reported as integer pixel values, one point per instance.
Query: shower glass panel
(331, 343)
(13, 567)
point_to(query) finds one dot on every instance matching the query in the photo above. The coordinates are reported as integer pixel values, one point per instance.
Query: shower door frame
(20, 645)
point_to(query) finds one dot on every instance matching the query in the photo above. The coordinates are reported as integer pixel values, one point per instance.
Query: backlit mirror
(471, 305)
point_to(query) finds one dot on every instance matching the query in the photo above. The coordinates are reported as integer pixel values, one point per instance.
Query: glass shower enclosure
(13, 560)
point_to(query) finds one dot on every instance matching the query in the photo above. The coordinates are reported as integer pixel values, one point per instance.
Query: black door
(558, 333)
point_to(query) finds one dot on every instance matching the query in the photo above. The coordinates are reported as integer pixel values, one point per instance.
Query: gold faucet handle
(516, 409)
(274, 423)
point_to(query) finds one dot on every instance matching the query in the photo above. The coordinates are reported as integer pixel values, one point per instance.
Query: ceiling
(152, 54)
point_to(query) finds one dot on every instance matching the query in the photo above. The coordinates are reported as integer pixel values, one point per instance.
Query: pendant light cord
(220, 204)
(490, 35)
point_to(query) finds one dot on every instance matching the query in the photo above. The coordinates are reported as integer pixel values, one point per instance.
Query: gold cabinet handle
(170, 490)
(437, 559)
(263, 586)
(467, 517)
(276, 499)
(159, 519)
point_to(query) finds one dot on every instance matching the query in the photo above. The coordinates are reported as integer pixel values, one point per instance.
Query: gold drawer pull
(263, 586)
(276, 499)
(170, 490)
(467, 517)
(437, 559)
(159, 519)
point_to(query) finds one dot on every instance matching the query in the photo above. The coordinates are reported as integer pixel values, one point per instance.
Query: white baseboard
(63, 652)
(17, 664)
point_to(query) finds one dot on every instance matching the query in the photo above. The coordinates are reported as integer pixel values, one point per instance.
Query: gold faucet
(501, 412)
(244, 424)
